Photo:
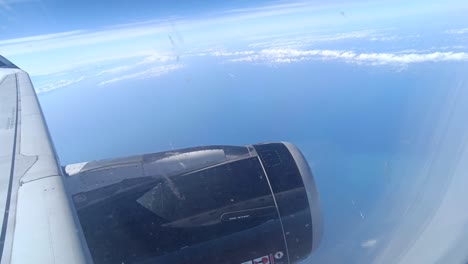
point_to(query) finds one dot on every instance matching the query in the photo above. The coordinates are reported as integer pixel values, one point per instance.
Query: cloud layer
(59, 84)
(295, 55)
(158, 64)
(457, 31)
(149, 73)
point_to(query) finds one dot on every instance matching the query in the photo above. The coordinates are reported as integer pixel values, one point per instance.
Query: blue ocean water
(354, 123)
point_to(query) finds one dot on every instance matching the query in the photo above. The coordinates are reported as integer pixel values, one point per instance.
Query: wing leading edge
(34, 206)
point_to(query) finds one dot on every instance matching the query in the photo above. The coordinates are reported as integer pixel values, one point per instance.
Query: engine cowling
(217, 204)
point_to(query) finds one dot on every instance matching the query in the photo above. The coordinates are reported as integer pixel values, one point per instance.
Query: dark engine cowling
(216, 204)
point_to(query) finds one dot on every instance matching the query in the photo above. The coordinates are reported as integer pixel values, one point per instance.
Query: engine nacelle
(216, 204)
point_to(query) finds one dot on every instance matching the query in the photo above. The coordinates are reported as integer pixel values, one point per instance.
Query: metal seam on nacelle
(313, 198)
(276, 205)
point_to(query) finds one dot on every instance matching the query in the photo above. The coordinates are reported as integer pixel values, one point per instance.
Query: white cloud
(115, 70)
(457, 31)
(453, 47)
(385, 38)
(158, 57)
(254, 58)
(154, 31)
(275, 10)
(369, 243)
(153, 58)
(152, 72)
(59, 84)
(235, 53)
(294, 55)
(208, 28)
(350, 35)
(388, 58)
(274, 7)
(50, 68)
(153, 28)
(41, 43)
(305, 40)
(40, 37)
(65, 77)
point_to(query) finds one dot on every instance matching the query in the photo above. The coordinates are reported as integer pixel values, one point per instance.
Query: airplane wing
(37, 223)
(213, 204)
